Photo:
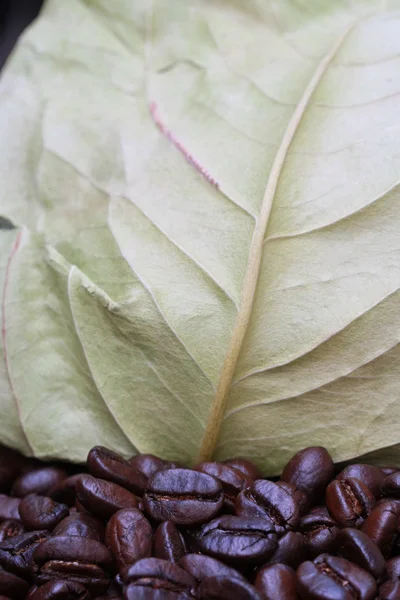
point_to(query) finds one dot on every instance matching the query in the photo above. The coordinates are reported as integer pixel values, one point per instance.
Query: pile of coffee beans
(148, 529)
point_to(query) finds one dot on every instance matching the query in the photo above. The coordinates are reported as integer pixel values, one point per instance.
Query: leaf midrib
(217, 410)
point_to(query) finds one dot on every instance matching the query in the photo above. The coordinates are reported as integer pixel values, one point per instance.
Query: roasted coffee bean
(16, 552)
(389, 470)
(334, 578)
(310, 470)
(201, 566)
(277, 582)
(349, 502)
(157, 574)
(168, 542)
(148, 465)
(78, 559)
(224, 588)
(61, 590)
(82, 525)
(391, 485)
(357, 547)
(10, 528)
(9, 508)
(393, 567)
(238, 540)
(267, 499)
(38, 481)
(291, 550)
(41, 512)
(232, 480)
(370, 475)
(320, 531)
(381, 527)
(109, 465)
(11, 463)
(12, 586)
(183, 496)
(390, 590)
(299, 497)
(245, 466)
(128, 537)
(65, 491)
(103, 498)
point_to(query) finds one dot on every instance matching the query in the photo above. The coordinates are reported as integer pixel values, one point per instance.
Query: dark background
(15, 15)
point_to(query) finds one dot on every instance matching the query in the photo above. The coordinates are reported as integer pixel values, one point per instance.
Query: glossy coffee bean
(41, 512)
(334, 578)
(160, 574)
(16, 552)
(12, 586)
(168, 542)
(38, 481)
(277, 582)
(224, 588)
(9, 508)
(128, 537)
(357, 547)
(320, 532)
(299, 497)
(238, 540)
(389, 470)
(201, 566)
(390, 590)
(82, 525)
(370, 475)
(64, 491)
(291, 550)
(310, 470)
(266, 499)
(247, 467)
(393, 568)
(183, 496)
(61, 590)
(381, 527)
(391, 485)
(232, 480)
(109, 465)
(10, 528)
(148, 465)
(349, 502)
(103, 498)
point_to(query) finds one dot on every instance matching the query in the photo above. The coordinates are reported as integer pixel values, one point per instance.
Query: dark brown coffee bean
(299, 497)
(290, 550)
(391, 485)
(12, 586)
(370, 475)
(267, 499)
(64, 491)
(393, 567)
(381, 527)
(10, 467)
(224, 588)
(16, 552)
(155, 573)
(10, 528)
(390, 590)
(389, 470)
(136, 592)
(61, 590)
(148, 465)
(245, 466)
(320, 531)
(41, 512)
(38, 481)
(183, 496)
(103, 498)
(232, 480)
(238, 540)
(201, 566)
(9, 508)
(168, 542)
(349, 502)
(334, 578)
(109, 465)
(310, 470)
(82, 525)
(357, 547)
(277, 582)
(128, 537)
